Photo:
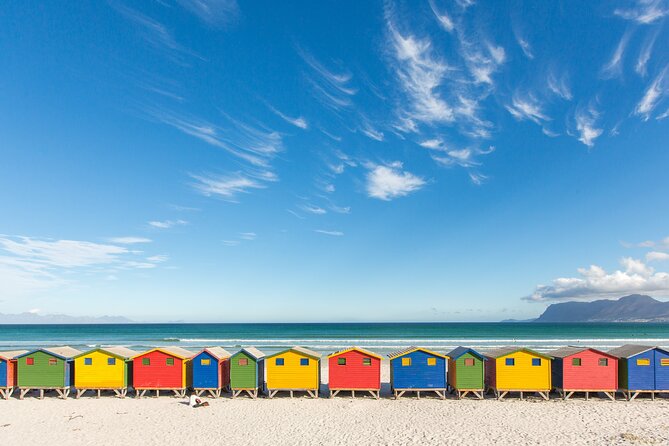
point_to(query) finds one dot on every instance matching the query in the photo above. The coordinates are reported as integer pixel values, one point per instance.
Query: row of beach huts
(630, 369)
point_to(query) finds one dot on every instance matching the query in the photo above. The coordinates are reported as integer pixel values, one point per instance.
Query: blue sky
(205, 160)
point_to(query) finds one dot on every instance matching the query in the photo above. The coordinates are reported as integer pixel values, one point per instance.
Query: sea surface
(329, 337)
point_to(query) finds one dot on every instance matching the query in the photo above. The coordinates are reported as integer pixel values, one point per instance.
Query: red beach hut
(354, 369)
(159, 369)
(582, 369)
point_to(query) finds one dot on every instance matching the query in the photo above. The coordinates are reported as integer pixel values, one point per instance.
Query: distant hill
(633, 308)
(32, 318)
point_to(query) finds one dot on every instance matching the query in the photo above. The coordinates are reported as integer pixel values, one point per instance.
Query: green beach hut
(466, 372)
(247, 372)
(46, 369)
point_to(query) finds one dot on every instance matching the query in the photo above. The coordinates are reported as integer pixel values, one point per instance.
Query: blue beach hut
(210, 371)
(642, 369)
(417, 370)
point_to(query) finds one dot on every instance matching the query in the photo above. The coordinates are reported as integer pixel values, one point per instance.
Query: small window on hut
(278, 361)
(205, 361)
(366, 361)
(510, 361)
(536, 362)
(603, 362)
(406, 362)
(146, 361)
(431, 361)
(111, 361)
(469, 362)
(243, 361)
(169, 361)
(576, 362)
(53, 361)
(664, 362)
(30, 361)
(643, 361)
(88, 361)
(341, 361)
(304, 361)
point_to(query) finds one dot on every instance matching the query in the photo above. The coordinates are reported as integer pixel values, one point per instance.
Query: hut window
(576, 362)
(278, 361)
(510, 361)
(604, 362)
(205, 361)
(341, 361)
(643, 361)
(111, 361)
(53, 361)
(431, 361)
(664, 362)
(243, 361)
(406, 362)
(469, 362)
(304, 361)
(169, 361)
(30, 361)
(536, 362)
(88, 361)
(146, 361)
(366, 361)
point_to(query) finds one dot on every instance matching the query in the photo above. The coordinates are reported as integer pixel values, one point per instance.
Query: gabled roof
(459, 351)
(123, 353)
(406, 351)
(253, 352)
(177, 352)
(12, 354)
(629, 350)
(503, 351)
(301, 350)
(357, 349)
(65, 352)
(565, 352)
(217, 352)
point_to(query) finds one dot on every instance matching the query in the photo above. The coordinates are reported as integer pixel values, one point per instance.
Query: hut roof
(12, 354)
(564, 352)
(65, 352)
(406, 351)
(217, 352)
(629, 350)
(119, 352)
(177, 352)
(503, 351)
(252, 351)
(459, 351)
(357, 349)
(301, 350)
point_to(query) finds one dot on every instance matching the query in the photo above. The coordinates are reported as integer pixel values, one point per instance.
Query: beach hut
(417, 370)
(516, 369)
(210, 371)
(295, 369)
(46, 369)
(101, 369)
(354, 369)
(247, 372)
(466, 372)
(642, 369)
(583, 369)
(8, 372)
(159, 369)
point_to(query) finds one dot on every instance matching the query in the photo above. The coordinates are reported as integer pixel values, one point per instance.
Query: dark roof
(459, 351)
(629, 350)
(503, 351)
(564, 352)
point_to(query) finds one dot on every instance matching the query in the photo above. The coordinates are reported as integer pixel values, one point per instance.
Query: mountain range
(34, 318)
(632, 308)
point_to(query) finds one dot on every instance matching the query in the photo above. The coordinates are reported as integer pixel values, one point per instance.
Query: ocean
(329, 337)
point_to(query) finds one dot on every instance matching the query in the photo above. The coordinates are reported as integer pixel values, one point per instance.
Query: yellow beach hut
(515, 369)
(294, 370)
(103, 369)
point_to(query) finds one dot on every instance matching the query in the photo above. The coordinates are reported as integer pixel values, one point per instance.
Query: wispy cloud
(333, 88)
(312, 209)
(300, 121)
(613, 67)
(644, 12)
(371, 132)
(559, 85)
(522, 42)
(166, 224)
(657, 256)
(129, 240)
(655, 91)
(389, 181)
(443, 18)
(331, 233)
(212, 12)
(645, 53)
(227, 186)
(527, 107)
(586, 125)
(248, 235)
(230, 242)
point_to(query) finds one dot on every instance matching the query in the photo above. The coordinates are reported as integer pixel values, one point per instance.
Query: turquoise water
(381, 337)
